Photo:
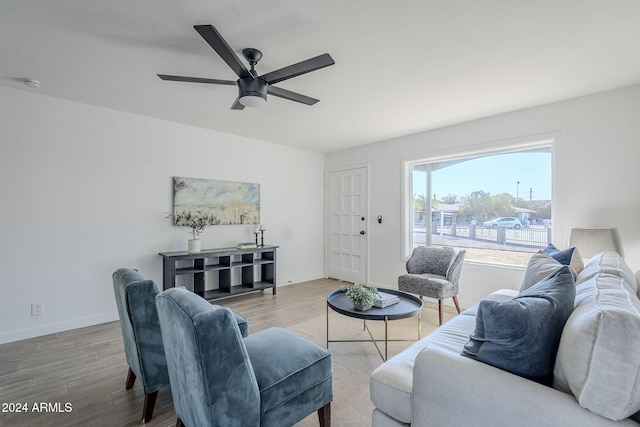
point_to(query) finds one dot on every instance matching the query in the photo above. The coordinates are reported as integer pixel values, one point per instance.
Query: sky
(494, 174)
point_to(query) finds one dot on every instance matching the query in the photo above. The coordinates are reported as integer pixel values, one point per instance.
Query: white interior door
(347, 215)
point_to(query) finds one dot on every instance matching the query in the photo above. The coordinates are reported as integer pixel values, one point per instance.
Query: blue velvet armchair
(135, 299)
(218, 378)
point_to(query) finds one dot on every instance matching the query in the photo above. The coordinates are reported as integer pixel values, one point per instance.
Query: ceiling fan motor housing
(252, 88)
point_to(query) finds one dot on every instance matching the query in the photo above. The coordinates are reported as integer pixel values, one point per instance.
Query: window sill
(496, 265)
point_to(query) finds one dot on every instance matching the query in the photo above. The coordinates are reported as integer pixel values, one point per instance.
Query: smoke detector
(32, 83)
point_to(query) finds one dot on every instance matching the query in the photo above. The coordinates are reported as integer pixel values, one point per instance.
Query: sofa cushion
(521, 336)
(611, 263)
(570, 257)
(539, 267)
(391, 383)
(599, 355)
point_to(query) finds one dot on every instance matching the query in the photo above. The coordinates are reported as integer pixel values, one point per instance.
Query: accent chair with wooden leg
(272, 378)
(434, 272)
(135, 298)
(144, 351)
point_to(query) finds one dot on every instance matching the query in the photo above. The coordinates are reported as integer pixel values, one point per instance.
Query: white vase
(194, 245)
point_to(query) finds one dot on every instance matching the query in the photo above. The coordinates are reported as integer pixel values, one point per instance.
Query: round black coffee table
(408, 306)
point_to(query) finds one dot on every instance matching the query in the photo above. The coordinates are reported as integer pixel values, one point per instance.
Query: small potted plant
(361, 295)
(197, 221)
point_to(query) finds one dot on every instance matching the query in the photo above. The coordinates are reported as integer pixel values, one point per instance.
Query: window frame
(551, 140)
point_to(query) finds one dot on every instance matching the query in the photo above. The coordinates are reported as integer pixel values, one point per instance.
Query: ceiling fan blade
(294, 70)
(236, 105)
(292, 96)
(196, 80)
(215, 40)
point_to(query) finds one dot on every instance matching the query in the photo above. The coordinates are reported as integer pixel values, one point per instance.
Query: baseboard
(299, 279)
(54, 328)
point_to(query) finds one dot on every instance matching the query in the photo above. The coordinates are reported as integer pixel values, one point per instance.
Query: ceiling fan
(252, 88)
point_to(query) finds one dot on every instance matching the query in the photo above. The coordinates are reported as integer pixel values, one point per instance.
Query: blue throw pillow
(522, 335)
(563, 257)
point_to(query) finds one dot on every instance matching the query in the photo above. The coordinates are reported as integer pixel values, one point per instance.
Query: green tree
(543, 212)
(419, 203)
(519, 202)
(449, 199)
(482, 206)
(502, 205)
(476, 205)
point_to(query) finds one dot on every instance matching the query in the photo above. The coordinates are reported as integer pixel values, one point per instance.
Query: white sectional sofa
(596, 376)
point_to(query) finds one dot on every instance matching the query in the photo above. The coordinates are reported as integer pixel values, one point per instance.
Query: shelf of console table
(238, 271)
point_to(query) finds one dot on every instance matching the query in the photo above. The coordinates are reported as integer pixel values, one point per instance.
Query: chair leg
(455, 300)
(179, 423)
(440, 310)
(324, 415)
(131, 379)
(149, 404)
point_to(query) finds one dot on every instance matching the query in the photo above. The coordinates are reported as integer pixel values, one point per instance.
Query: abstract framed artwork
(226, 202)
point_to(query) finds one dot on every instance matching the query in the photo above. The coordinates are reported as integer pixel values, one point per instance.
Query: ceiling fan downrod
(252, 56)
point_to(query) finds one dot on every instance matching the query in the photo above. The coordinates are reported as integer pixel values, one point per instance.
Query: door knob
(362, 232)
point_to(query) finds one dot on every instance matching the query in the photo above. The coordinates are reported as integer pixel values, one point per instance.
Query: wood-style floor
(79, 375)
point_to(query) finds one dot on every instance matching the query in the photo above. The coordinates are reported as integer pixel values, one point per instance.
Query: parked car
(507, 221)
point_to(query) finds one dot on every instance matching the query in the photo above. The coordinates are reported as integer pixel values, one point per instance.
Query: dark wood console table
(237, 271)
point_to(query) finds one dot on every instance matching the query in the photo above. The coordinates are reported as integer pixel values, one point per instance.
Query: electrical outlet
(37, 308)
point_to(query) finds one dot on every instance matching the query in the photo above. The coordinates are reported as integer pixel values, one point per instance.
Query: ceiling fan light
(253, 92)
(253, 101)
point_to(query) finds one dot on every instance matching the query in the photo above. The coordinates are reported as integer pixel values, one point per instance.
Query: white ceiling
(401, 66)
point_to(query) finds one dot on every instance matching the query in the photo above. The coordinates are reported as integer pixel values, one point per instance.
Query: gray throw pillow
(539, 267)
(521, 336)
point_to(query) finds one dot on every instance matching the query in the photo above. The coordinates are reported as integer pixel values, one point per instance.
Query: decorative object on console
(197, 221)
(222, 202)
(246, 245)
(194, 245)
(262, 230)
(256, 231)
(361, 295)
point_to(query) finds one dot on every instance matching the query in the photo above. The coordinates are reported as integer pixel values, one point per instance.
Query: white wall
(85, 190)
(596, 177)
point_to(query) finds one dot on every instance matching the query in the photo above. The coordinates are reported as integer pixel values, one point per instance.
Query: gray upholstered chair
(434, 272)
(135, 298)
(270, 378)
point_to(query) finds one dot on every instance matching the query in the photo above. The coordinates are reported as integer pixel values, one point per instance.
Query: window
(496, 204)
